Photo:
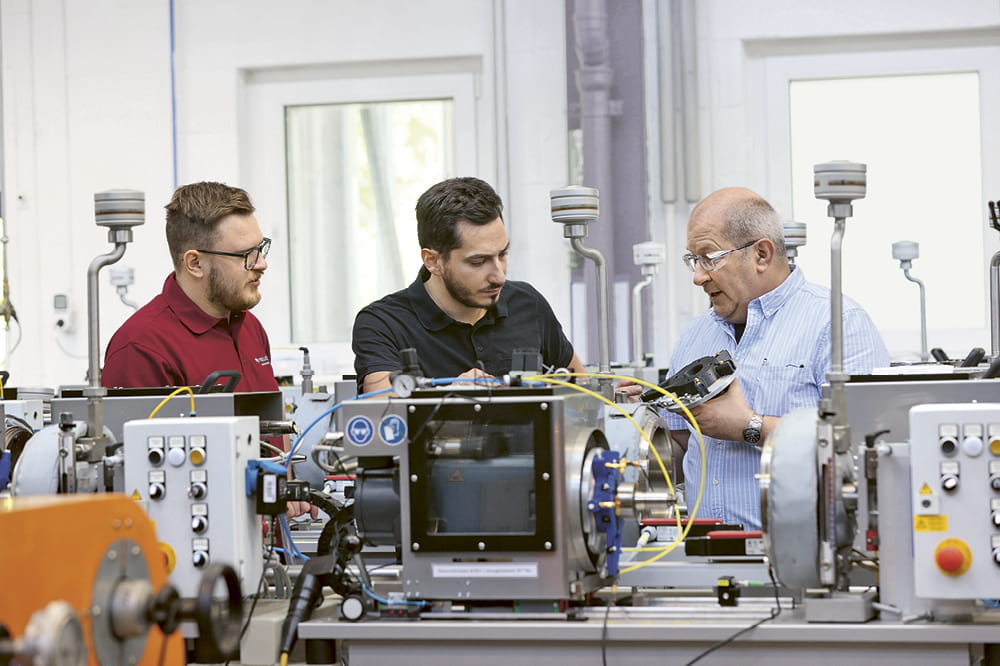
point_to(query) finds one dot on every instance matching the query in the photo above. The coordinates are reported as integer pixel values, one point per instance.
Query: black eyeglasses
(250, 257)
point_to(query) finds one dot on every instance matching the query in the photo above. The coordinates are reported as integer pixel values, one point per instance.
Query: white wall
(734, 41)
(87, 107)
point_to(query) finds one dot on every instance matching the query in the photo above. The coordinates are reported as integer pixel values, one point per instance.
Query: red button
(950, 559)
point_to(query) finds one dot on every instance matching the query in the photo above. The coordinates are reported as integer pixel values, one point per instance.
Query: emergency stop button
(953, 557)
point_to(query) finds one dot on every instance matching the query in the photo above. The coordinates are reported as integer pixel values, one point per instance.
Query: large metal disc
(789, 494)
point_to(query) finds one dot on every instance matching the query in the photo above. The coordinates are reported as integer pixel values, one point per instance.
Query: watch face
(752, 432)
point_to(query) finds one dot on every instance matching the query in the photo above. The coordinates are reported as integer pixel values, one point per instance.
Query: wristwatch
(751, 433)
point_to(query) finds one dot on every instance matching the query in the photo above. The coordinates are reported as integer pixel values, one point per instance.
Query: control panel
(189, 475)
(955, 485)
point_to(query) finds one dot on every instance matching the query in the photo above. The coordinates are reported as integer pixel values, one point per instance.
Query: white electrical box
(189, 475)
(63, 313)
(955, 490)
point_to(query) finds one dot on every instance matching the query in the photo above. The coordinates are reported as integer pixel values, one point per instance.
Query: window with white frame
(354, 173)
(335, 164)
(920, 122)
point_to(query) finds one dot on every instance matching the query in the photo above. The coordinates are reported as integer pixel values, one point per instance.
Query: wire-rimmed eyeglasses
(713, 261)
(250, 257)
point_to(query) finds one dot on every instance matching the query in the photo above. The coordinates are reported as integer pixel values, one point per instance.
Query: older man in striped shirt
(777, 328)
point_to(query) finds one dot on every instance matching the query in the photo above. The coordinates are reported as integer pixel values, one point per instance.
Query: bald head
(737, 241)
(745, 215)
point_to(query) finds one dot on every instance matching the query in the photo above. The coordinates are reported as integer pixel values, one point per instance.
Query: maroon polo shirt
(172, 342)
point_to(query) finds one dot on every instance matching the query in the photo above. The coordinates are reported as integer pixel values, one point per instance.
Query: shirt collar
(433, 318)
(772, 301)
(193, 317)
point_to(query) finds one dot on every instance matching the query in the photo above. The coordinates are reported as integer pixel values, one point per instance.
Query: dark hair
(194, 212)
(441, 207)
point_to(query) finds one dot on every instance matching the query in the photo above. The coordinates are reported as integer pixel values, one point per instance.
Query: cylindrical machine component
(276, 428)
(306, 372)
(795, 237)
(377, 505)
(905, 250)
(648, 256)
(120, 208)
(636, 503)
(130, 604)
(352, 608)
(575, 206)
(53, 636)
(840, 181)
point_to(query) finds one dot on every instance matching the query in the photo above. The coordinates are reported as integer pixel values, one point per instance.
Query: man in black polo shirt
(461, 314)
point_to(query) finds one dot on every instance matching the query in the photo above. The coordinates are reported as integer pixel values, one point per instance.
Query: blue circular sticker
(392, 429)
(360, 430)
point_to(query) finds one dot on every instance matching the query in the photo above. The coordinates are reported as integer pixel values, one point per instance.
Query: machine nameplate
(486, 570)
(930, 523)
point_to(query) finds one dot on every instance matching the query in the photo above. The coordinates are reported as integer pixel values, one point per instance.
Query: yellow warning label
(937, 523)
(456, 477)
(135, 495)
(926, 490)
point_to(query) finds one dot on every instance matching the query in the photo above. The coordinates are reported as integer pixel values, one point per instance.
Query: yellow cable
(645, 437)
(701, 443)
(167, 399)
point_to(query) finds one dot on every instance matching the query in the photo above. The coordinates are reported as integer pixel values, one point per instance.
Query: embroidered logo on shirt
(263, 360)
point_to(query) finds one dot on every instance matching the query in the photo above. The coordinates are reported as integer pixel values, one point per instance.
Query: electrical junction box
(189, 475)
(955, 496)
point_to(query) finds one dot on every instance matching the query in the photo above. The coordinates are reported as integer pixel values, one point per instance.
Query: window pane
(354, 174)
(919, 136)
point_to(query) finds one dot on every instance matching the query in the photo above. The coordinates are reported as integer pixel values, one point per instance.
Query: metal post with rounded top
(905, 252)
(575, 207)
(119, 211)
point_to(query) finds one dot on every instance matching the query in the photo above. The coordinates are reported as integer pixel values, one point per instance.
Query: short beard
(465, 296)
(228, 295)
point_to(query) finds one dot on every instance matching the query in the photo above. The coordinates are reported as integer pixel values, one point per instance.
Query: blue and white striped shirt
(781, 361)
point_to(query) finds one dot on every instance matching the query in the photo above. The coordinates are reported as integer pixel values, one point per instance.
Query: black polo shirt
(521, 319)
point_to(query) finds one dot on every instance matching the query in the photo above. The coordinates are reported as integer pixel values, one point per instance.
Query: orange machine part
(52, 548)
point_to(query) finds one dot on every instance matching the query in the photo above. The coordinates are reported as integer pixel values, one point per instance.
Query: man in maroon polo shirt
(200, 322)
